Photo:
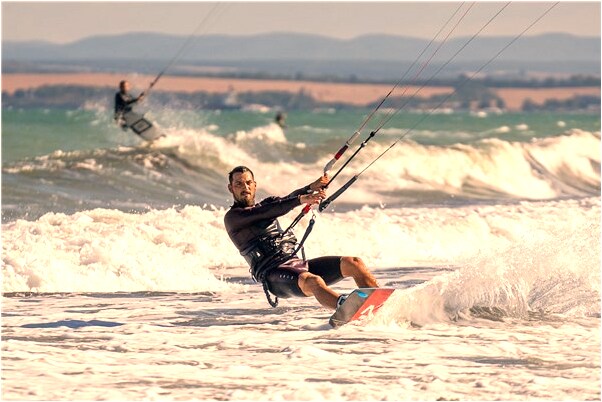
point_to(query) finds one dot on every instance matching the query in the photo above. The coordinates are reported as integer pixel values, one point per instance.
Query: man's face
(243, 188)
(125, 87)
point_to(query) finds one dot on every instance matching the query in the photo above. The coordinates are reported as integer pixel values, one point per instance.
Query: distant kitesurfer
(281, 119)
(255, 231)
(124, 102)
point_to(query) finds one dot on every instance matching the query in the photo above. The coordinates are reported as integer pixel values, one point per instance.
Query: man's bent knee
(357, 261)
(352, 266)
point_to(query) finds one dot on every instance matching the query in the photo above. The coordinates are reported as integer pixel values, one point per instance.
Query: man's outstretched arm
(270, 208)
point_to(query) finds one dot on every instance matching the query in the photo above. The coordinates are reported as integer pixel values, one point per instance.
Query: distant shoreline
(356, 94)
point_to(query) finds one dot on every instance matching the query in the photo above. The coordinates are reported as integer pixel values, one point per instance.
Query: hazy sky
(63, 22)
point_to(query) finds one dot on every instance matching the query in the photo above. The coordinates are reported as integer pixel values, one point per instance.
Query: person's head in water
(242, 185)
(124, 86)
(280, 119)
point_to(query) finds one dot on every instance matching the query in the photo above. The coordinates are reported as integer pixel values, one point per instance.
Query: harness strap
(273, 303)
(310, 226)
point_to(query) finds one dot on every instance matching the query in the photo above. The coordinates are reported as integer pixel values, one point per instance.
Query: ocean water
(119, 281)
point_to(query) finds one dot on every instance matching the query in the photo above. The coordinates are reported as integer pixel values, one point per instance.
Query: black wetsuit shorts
(283, 281)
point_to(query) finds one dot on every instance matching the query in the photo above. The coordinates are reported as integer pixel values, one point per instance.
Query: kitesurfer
(271, 253)
(124, 102)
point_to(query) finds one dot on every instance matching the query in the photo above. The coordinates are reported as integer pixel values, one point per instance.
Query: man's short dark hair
(239, 169)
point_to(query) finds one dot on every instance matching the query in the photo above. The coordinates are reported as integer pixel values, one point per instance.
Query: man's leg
(355, 268)
(292, 279)
(314, 285)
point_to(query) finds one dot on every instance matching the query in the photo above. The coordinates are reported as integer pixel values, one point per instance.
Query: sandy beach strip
(355, 94)
(514, 97)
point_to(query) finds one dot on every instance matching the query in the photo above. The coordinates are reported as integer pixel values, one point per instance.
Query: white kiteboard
(359, 304)
(141, 126)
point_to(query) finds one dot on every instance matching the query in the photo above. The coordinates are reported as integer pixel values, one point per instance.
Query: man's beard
(244, 201)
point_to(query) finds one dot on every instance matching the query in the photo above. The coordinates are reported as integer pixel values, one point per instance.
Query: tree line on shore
(519, 81)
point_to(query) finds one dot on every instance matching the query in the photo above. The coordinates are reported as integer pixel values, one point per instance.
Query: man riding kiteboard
(124, 102)
(272, 252)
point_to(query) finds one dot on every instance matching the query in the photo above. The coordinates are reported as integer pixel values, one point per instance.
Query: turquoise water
(37, 132)
(74, 160)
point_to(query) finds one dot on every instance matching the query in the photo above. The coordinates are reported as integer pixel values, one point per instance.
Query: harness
(272, 248)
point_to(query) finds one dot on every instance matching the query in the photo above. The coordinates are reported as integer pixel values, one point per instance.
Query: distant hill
(378, 55)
